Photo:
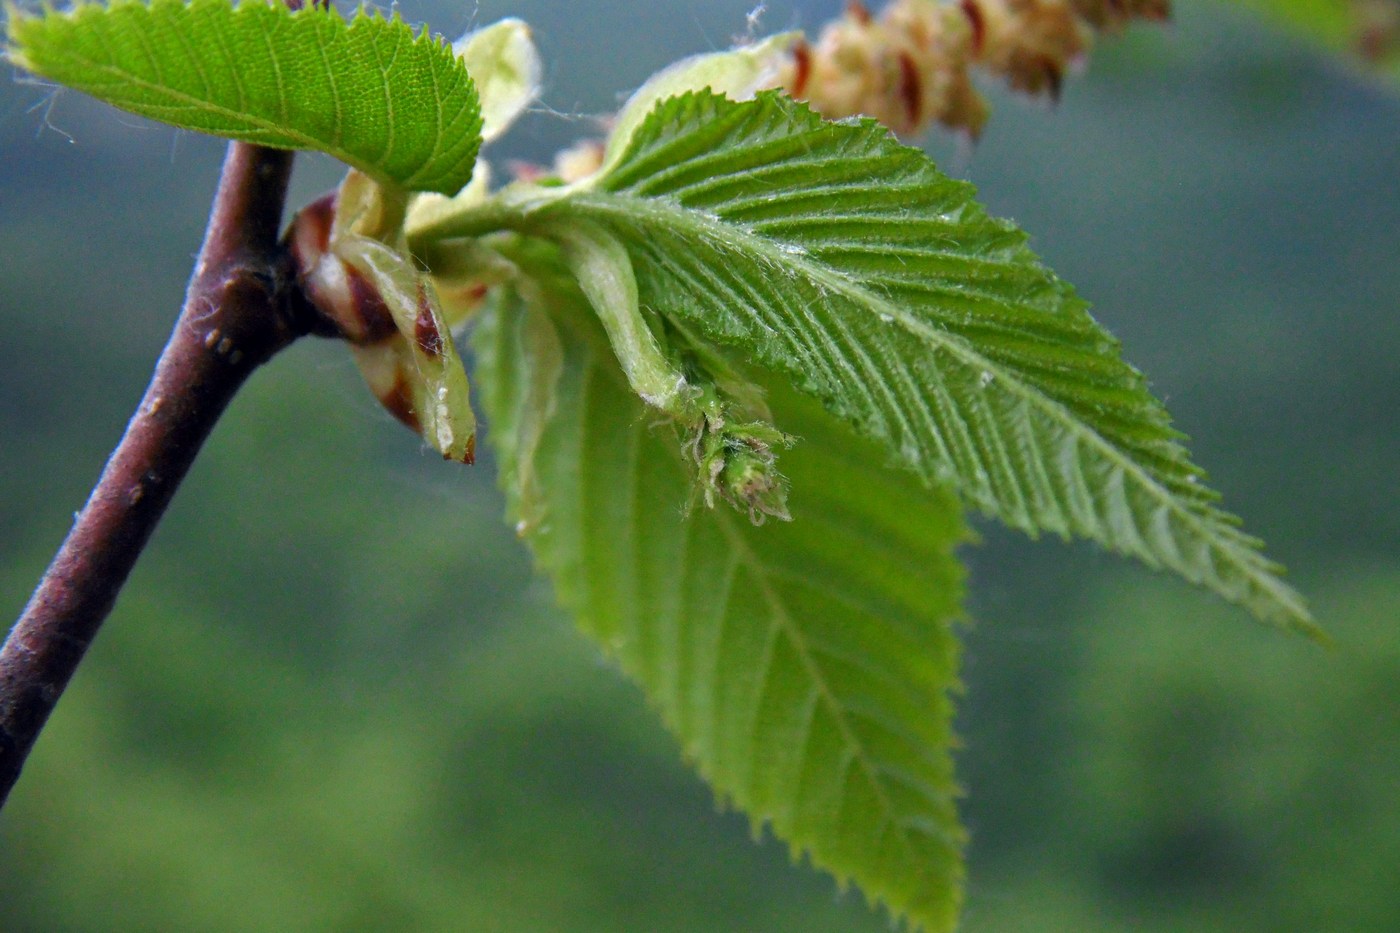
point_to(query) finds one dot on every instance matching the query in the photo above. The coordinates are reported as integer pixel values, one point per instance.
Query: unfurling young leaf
(398, 106)
(503, 62)
(354, 268)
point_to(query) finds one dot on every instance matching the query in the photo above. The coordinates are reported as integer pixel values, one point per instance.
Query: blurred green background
(334, 698)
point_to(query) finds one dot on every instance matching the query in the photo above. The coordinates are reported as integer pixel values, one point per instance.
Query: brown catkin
(910, 66)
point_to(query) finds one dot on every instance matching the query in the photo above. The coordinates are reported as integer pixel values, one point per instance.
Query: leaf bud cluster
(353, 267)
(731, 437)
(738, 464)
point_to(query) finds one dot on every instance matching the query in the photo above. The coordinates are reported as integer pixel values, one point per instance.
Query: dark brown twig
(234, 320)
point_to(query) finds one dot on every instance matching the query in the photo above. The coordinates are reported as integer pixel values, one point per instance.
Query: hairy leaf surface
(398, 106)
(805, 666)
(834, 254)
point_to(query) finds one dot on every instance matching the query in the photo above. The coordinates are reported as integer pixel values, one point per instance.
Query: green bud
(738, 464)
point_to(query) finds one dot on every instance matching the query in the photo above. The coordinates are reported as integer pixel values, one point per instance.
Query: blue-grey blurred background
(334, 698)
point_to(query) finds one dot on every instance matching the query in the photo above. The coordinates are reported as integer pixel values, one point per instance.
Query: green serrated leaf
(832, 253)
(398, 106)
(810, 689)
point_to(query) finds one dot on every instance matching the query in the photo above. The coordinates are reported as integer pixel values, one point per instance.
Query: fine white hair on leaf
(44, 105)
